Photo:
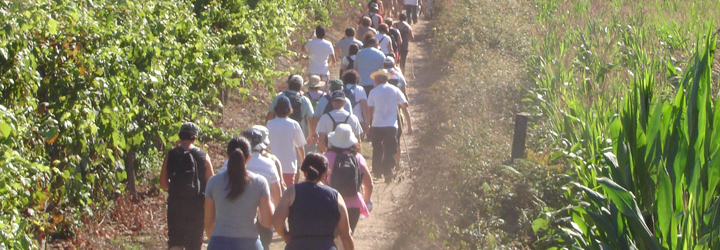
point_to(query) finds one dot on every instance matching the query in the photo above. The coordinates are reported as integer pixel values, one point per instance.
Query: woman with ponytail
(234, 199)
(313, 211)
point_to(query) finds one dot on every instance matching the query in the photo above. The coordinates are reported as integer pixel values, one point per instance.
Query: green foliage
(644, 153)
(84, 82)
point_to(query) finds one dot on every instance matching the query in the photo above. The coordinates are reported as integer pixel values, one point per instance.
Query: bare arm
(282, 212)
(275, 193)
(278, 167)
(301, 151)
(266, 211)
(364, 110)
(343, 226)
(367, 184)
(404, 93)
(209, 172)
(209, 216)
(312, 125)
(269, 116)
(370, 115)
(323, 142)
(407, 116)
(410, 35)
(331, 59)
(164, 183)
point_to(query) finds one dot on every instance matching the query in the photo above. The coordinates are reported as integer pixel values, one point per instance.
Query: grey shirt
(345, 43)
(236, 218)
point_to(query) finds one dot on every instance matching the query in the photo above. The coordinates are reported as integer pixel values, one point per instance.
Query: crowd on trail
(312, 133)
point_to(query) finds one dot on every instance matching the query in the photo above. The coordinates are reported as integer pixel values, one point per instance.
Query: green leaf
(5, 129)
(52, 26)
(540, 224)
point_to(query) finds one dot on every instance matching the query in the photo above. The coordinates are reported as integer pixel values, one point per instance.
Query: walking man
(302, 109)
(344, 44)
(374, 15)
(365, 28)
(184, 175)
(411, 10)
(383, 105)
(384, 40)
(406, 36)
(367, 61)
(328, 122)
(321, 54)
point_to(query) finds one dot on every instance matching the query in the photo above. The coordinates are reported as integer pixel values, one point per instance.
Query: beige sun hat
(342, 137)
(314, 82)
(383, 72)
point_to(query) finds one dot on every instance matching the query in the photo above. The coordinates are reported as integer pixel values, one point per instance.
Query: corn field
(630, 100)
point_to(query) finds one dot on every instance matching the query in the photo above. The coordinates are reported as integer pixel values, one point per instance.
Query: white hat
(342, 137)
(315, 82)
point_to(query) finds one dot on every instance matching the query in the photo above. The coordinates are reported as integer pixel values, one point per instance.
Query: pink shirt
(355, 201)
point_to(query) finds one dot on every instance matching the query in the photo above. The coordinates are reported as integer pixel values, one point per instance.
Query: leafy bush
(89, 87)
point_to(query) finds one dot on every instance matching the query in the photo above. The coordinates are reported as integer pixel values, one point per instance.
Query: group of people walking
(312, 133)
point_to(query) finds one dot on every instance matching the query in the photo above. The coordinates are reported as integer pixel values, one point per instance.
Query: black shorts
(186, 220)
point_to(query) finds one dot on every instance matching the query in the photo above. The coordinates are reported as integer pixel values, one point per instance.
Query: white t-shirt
(397, 75)
(319, 50)
(260, 165)
(385, 99)
(325, 125)
(411, 2)
(285, 137)
(385, 43)
(359, 96)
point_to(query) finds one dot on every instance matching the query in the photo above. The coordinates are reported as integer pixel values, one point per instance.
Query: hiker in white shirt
(321, 54)
(328, 122)
(287, 141)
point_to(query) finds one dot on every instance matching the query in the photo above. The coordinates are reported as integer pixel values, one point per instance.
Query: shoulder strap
(382, 39)
(347, 118)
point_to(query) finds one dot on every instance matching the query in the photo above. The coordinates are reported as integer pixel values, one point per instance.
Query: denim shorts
(221, 242)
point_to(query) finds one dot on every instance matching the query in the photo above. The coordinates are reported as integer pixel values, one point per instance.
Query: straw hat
(383, 72)
(342, 137)
(314, 82)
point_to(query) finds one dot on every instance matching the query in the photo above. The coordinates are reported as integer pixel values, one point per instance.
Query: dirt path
(384, 228)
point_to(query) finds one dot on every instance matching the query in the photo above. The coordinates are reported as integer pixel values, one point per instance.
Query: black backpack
(329, 106)
(351, 63)
(335, 124)
(346, 176)
(395, 33)
(183, 173)
(296, 103)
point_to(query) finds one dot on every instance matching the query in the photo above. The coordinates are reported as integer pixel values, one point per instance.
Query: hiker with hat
(287, 140)
(365, 29)
(321, 54)
(184, 175)
(302, 108)
(237, 201)
(347, 171)
(324, 106)
(383, 105)
(367, 61)
(357, 94)
(374, 15)
(397, 79)
(328, 122)
(314, 94)
(315, 213)
(268, 152)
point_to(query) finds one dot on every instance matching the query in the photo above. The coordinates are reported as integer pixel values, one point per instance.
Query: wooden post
(518, 147)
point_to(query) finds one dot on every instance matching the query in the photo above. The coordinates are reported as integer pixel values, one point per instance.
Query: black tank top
(314, 212)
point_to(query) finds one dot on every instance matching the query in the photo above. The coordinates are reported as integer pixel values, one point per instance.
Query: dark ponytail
(314, 166)
(236, 170)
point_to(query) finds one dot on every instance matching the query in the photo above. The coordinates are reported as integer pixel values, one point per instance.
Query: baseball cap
(389, 62)
(295, 79)
(283, 102)
(336, 84)
(189, 128)
(256, 139)
(338, 95)
(374, 6)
